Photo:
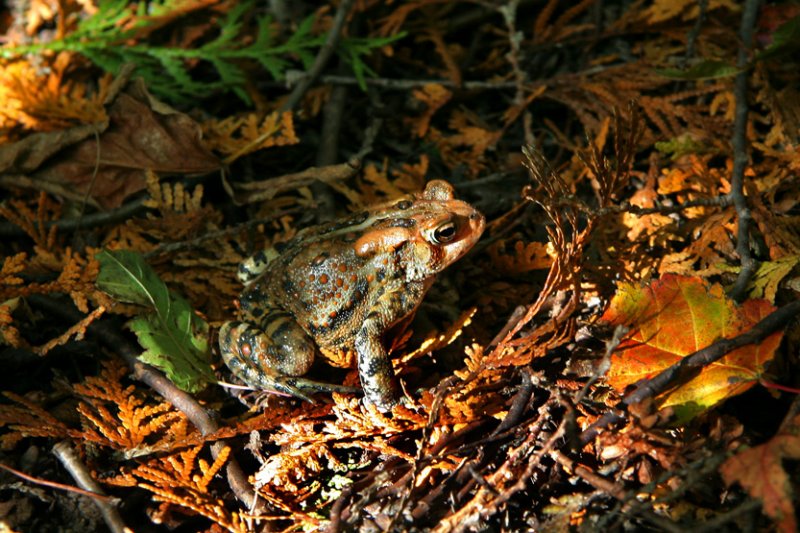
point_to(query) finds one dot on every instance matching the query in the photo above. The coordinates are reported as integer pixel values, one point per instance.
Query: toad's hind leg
(272, 355)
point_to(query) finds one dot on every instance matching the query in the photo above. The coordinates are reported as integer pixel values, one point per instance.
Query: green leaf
(705, 70)
(785, 40)
(173, 336)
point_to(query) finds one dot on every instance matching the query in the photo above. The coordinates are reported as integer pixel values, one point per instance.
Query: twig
(257, 191)
(509, 12)
(25, 182)
(625, 207)
(519, 403)
(691, 38)
(740, 157)
(322, 57)
(687, 367)
(507, 479)
(404, 84)
(717, 523)
(612, 489)
(45, 483)
(332, 113)
(64, 452)
(7, 229)
(376, 122)
(182, 401)
(512, 321)
(586, 474)
(602, 368)
(433, 415)
(173, 247)
(327, 153)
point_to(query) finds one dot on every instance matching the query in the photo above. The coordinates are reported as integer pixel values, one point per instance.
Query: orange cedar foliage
(118, 417)
(760, 471)
(76, 272)
(434, 96)
(182, 479)
(523, 258)
(28, 419)
(76, 278)
(33, 223)
(8, 333)
(44, 99)
(78, 331)
(238, 136)
(664, 10)
(13, 265)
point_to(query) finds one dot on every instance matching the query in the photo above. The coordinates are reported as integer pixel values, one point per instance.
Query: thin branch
(716, 523)
(515, 37)
(404, 84)
(19, 181)
(182, 401)
(740, 157)
(519, 404)
(691, 38)
(328, 150)
(64, 452)
(60, 486)
(258, 191)
(689, 366)
(625, 207)
(376, 122)
(612, 489)
(173, 247)
(7, 229)
(322, 58)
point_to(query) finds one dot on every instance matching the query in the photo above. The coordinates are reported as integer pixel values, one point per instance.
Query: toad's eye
(444, 233)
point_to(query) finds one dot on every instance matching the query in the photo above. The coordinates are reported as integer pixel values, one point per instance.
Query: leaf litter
(609, 256)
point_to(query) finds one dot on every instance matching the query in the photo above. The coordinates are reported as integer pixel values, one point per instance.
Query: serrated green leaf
(173, 336)
(705, 70)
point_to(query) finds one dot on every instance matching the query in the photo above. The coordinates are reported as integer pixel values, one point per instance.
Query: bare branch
(64, 452)
(322, 58)
(740, 157)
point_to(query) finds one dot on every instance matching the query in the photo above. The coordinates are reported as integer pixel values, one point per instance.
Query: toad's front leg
(374, 365)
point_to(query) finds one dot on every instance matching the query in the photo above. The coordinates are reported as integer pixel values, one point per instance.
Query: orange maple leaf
(760, 472)
(674, 317)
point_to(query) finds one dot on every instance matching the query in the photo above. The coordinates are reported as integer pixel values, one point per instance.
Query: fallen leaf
(28, 154)
(175, 339)
(760, 471)
(674, 317)
(143, 134)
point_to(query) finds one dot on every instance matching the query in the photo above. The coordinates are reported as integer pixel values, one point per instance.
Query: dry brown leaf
(143, 134)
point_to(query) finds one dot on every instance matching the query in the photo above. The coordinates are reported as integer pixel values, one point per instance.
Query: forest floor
(618, 351)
